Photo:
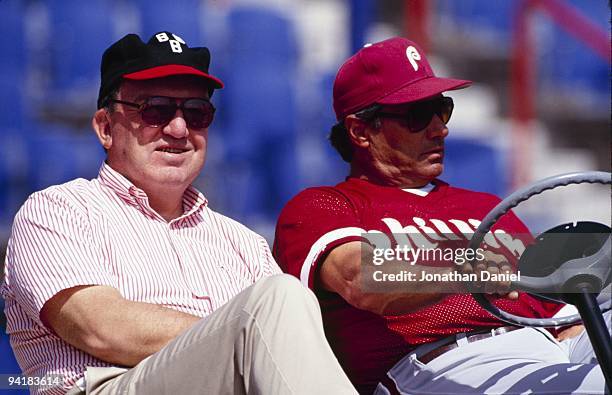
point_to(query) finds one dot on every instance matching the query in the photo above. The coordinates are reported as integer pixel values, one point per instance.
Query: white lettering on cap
(413, 55)
(177, 38)
(175, 44)
(161, 37)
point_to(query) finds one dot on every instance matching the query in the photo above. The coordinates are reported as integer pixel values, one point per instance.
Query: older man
(381, 249)
(130, 283)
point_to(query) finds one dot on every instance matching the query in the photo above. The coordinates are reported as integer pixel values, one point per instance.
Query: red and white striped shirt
(104, 232)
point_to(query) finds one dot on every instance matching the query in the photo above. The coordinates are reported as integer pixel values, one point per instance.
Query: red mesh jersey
(367, 344)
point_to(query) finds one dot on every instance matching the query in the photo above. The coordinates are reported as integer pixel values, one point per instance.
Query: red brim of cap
(172, 69)
(423, 89)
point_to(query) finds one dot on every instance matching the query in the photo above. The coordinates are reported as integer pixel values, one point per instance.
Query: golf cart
(570, 263)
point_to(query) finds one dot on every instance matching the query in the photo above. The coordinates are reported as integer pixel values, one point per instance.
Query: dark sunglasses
(160, 110)
(419, 114)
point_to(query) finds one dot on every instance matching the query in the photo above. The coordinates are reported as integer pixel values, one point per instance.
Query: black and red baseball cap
(165, 54)
(393, 71)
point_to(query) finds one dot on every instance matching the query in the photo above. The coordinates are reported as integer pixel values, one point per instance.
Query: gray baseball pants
(525, 361)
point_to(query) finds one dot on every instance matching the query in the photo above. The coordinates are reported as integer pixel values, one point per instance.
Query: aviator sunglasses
(160, 110)
(418, 115)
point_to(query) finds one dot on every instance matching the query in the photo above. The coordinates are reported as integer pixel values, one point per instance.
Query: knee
(286, 290)
(283, 284)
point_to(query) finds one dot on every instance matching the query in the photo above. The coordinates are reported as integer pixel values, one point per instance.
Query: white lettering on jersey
(416, 238)
(428, 231)
(378, 239)
(464, 228)
(515, 246)
(446, 231)
(489, 239)
(409, 235)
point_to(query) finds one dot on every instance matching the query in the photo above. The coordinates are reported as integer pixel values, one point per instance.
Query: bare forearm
(397, 287)
(99, 321)
(403, 297)
(141, 329)
(348, 271)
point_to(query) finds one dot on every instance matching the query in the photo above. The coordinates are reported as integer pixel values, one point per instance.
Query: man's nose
(437, 128)
(177, 127)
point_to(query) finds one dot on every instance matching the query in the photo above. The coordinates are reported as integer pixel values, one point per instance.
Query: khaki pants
(268, 339)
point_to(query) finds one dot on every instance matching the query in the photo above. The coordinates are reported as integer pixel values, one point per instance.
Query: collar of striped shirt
(193, 200)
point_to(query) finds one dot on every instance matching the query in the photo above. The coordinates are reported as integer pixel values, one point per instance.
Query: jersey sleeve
(51, 249)
(310, 226)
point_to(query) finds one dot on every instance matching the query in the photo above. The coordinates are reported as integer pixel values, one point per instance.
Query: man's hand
(494, 264)
(570, 332)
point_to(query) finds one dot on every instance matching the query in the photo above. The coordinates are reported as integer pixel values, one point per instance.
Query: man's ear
(358, 131)
(101, 125)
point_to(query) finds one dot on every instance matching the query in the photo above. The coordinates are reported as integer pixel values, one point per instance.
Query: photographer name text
(407, 276)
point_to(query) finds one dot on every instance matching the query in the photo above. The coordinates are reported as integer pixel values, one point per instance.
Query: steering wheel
(598, 263)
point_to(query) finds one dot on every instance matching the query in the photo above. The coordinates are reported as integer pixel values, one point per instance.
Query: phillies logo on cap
(379, 74)
(413, 55)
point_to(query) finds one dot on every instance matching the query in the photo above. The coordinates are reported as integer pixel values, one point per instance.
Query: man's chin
(172, 173)
(435, 170)
(172, 177)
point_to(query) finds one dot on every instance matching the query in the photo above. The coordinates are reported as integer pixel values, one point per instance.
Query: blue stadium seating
(12, 103)
(261, 36)
(472, 164)
(260, 135)
(14, 165)
(565, 63)
(491, 17)
(183, 19)
(12, 66)
(12, 45)
(8, 364)
(61, 155)
(13, 78)
(80, 32)
(319, 117)
(362, 15)
(597, 11)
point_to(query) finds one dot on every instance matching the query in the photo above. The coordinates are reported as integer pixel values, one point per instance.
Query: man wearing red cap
(382, 250)
(130, 283)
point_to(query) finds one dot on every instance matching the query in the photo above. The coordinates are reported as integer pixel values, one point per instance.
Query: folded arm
(99, 321)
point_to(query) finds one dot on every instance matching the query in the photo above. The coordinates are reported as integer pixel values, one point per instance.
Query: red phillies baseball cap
(393, 71)
(165, 54)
